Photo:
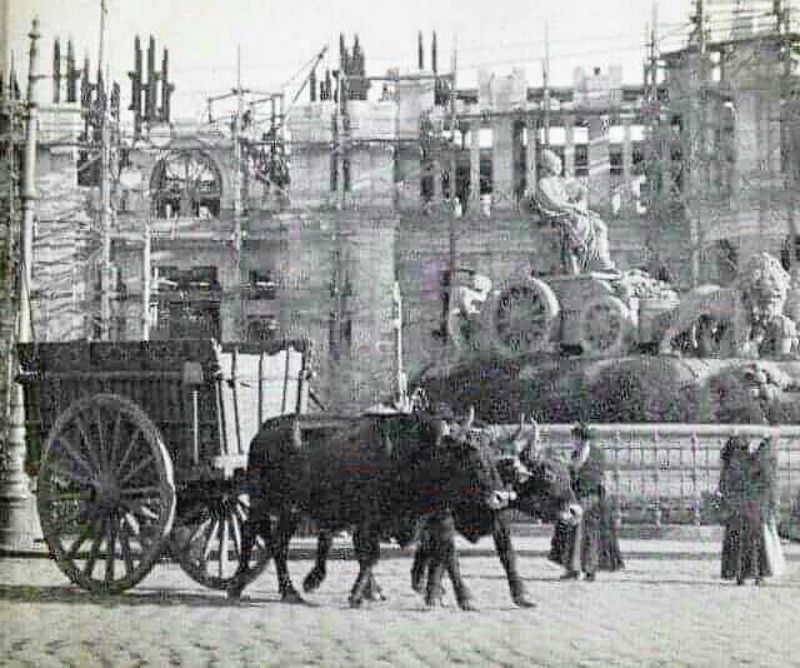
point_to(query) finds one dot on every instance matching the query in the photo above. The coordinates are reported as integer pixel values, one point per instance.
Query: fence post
(617, 492)
(656, 479)
(695, 487)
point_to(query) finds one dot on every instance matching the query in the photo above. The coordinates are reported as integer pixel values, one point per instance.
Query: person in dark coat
(740, 542)
(590, 541)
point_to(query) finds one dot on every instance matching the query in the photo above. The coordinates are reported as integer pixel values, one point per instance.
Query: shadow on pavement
(73, 595)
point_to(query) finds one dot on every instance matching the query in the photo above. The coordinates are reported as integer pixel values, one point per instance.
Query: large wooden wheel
(523, 317)
(207, 538)
(606, 327)
(106, 494)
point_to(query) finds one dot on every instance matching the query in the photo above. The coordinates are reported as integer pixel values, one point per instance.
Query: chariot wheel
(523, 317)
(106, 494)
(207, 539)
(606, 327)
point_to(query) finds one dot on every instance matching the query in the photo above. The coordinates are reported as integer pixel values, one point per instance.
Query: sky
(278, 37)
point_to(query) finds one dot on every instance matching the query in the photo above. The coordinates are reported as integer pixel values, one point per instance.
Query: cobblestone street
(667, 608)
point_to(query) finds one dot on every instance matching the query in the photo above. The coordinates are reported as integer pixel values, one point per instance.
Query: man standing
(590, 541)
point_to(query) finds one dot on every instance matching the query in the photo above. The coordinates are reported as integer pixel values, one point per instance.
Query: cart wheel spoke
(208, 539)
(115, 437)
(223, 546)
(69, 449)
(95, 552)
(111, 556)
(125, 547)
(83, 536)
(126, 455)
(136, 469)
(91, 447)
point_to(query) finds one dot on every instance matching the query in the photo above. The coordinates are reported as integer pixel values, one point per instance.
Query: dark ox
(377, 477)
(543, 490)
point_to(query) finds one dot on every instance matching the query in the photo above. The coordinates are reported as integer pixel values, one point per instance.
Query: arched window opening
(186, 184)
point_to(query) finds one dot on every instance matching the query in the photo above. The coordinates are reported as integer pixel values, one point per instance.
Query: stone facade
(383, 192)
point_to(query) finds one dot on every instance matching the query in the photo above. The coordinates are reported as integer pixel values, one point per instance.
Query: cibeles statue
(564, 200)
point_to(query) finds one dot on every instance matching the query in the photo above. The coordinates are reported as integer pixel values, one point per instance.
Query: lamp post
(18, 523)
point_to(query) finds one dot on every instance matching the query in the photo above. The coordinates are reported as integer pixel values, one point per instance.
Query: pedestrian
(741, 512)
(589, 541)
(766, 493)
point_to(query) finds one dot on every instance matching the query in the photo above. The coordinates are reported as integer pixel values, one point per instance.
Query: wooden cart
(144, 447)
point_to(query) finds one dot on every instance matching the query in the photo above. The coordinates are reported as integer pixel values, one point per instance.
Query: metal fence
(669, 473)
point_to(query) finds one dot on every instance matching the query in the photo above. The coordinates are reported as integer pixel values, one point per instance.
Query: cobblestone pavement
(668, 608)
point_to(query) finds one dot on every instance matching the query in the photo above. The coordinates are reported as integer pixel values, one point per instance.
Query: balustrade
(669, 473)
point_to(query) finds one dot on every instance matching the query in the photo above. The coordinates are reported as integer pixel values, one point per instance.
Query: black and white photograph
(399, 333)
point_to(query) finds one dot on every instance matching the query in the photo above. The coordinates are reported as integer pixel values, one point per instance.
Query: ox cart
(144, 449)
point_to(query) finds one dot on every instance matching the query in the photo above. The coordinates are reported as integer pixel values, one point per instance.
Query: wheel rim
(106, 494)
(522, 319)
(207, 541)
(603, 327)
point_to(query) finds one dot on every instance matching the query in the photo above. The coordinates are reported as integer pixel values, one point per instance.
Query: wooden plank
(234, 385)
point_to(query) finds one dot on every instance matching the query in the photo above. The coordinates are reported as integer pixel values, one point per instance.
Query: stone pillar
(627, 164)
(599, 162)
(569, 146)
(531, 155)
(409, 176)
(436, 171)
(475, 163)
(502, 164)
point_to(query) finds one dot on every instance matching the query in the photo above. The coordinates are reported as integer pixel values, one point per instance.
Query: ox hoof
(313, 581)
(375, 594)
(234, 591)
(523, 602)
(355, 602)
(467, 605)
(293, 598)
(418, 585)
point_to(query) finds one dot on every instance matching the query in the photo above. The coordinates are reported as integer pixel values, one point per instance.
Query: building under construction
(299, 220)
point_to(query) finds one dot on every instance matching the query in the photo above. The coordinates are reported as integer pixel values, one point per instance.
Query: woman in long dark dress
(590, 543)
(741, 538)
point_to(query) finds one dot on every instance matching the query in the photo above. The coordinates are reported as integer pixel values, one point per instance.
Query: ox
(541, 489)
(379, 476)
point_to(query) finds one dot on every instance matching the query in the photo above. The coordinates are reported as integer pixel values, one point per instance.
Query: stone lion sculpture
(745, 319)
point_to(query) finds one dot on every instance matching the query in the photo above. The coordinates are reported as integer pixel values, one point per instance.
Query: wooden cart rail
(207, 401)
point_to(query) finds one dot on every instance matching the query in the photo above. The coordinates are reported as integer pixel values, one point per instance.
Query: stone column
(475, 163)
(627, 164)
(409, 176)
(569, 146)
(502, 164)
(531, 155)
(599, 162)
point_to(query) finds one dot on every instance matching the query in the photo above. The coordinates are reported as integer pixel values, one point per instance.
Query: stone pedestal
(19, 522)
